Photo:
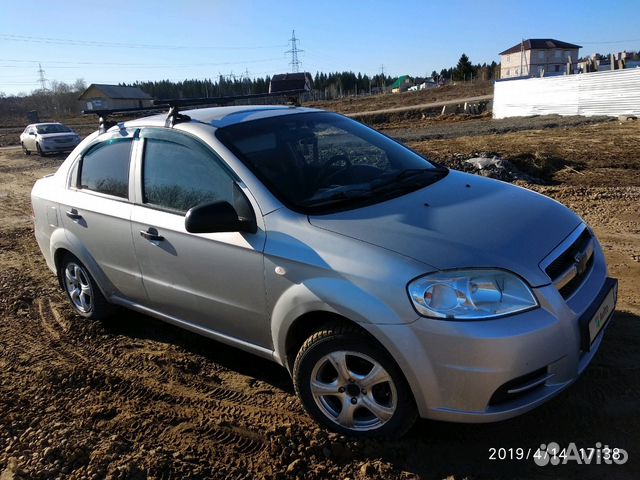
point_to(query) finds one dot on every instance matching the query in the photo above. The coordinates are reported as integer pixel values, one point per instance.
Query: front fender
(329, 295)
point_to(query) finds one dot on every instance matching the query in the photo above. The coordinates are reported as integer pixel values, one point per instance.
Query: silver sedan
(390, 287)
(45, 138)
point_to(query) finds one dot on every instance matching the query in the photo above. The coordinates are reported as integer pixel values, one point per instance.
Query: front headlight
(470, 294)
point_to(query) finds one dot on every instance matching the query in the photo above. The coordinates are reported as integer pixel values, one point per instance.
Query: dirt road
(420, 106)
(134, 398)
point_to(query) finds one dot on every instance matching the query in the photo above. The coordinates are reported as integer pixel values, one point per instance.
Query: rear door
(30, 139)
(96, 212)
(213, 280)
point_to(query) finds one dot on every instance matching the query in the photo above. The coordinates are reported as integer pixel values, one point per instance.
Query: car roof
(43, 123)
(219, 117)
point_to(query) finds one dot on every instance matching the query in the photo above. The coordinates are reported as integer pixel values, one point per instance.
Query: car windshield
(52, 128)
(320, 162)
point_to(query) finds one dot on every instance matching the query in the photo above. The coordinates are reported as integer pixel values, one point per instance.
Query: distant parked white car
(48, 138)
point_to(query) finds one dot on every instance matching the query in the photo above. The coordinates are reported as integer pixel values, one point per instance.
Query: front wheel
(351, 385)
(40, 152)
(83, 292)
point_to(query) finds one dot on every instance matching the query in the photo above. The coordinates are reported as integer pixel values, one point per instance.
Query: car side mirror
(217, 216)
(32, 133)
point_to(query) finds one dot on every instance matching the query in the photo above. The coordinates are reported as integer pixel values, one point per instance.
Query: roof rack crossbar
(104, 113)
(192, 102)
(174, 104)
(174, 116)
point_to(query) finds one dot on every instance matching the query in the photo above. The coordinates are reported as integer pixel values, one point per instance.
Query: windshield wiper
(411, 177)
(342, 196)
(408, 179)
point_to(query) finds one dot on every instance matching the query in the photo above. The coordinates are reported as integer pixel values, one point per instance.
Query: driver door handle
(151, 234)
(73, 214)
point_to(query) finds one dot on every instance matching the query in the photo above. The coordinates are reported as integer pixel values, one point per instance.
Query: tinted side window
(105, 168)
(177, 177)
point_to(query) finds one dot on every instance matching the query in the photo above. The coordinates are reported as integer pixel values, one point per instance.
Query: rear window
(105, 168)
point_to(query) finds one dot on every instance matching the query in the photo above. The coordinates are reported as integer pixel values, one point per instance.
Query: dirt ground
(349, 105)
(134, 398)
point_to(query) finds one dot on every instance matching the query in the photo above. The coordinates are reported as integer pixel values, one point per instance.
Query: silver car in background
(45, 138)
(389, 287)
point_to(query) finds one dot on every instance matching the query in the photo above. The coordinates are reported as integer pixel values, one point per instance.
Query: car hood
(463, 221)
(57, 135)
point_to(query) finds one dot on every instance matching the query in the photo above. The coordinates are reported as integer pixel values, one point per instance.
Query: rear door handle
(73, 214)
(151, 234)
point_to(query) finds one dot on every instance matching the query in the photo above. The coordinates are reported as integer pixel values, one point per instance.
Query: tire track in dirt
(134, 398)
(119, 384)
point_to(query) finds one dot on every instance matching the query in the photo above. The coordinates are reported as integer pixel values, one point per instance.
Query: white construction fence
(612, 93)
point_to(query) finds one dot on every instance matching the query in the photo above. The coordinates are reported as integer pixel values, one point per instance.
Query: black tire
(40, 152)
(98, 307)
(335, 338)
(24, 149)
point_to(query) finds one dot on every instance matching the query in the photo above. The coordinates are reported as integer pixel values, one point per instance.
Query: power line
(88, 43)
(612, 42)
(294, 50)
(81, 64)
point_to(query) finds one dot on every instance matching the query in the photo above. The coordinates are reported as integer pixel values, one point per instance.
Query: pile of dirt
(596, 154)
(456, 126)
(492, 166)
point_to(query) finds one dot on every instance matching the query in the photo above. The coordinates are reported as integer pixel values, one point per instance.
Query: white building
(538, 57)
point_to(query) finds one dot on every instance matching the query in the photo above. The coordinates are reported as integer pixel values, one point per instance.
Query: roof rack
(192, 102)
(103, 114)
(174, 116)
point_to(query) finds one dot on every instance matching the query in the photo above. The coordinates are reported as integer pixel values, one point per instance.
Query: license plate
(602, 316)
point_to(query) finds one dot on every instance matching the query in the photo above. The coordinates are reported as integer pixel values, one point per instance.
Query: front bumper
(491, 370)
(58, 147)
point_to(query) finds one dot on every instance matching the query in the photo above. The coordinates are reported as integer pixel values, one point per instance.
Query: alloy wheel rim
(353, 390)
(78, 287)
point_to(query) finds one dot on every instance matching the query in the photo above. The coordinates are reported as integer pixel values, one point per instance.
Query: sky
(124, 41)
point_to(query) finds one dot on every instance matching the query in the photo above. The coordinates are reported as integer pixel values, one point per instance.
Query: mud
(134, 398)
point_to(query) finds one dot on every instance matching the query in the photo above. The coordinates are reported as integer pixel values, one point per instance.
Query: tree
(79, 85)
(464, 69)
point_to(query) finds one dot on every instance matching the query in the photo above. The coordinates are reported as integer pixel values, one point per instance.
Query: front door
(213, 280)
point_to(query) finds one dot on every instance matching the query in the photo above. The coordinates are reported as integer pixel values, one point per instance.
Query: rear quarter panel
(46, 216)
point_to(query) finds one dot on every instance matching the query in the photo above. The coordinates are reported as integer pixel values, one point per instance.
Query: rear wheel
(83, 292)
(351, 385)
(24, 149)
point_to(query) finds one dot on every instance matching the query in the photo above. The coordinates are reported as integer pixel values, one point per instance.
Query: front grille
(64, 140)
(571, 267)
